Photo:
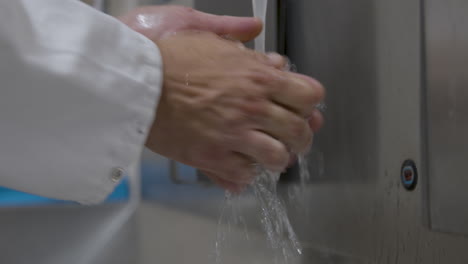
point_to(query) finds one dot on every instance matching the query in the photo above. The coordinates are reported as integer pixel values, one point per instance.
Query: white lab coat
(78, 95)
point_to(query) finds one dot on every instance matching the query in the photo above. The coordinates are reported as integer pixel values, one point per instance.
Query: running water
(260, 11)
(274, 219)
(278, 232)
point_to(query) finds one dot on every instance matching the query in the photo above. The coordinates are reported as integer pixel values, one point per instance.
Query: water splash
(260, 11)
(230, 217)
(279, 234)
(274, 218)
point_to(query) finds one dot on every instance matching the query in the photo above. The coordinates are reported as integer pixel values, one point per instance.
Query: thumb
(239, 28)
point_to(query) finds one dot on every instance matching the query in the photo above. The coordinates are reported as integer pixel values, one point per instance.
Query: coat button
(117, 174)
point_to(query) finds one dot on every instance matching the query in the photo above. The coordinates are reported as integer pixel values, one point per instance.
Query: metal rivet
(117, 174)
(409, 175)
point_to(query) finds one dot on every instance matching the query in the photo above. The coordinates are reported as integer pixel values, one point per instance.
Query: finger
(316, 120)
(296, 92)
(277, 61)
(272, 59)
(240, 28)
(265, 150)
(285, 126)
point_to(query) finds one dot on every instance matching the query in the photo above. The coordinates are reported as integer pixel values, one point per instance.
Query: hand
(155, 22)
(224, 108)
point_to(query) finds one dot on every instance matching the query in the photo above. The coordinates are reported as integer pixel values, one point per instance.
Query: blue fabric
(12, 198)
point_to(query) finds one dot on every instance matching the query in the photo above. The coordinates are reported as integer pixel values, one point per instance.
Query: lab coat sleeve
(78, 93)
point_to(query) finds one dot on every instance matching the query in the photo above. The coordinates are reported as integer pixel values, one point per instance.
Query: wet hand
(155, 22)
(224, 108)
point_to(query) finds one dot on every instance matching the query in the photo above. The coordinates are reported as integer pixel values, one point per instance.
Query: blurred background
(388, 173)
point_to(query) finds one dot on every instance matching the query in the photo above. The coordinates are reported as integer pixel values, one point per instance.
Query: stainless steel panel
(335, 41)
(447, 113)
(68, 234)
(368, 55)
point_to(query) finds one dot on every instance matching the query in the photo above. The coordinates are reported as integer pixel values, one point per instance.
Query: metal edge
(425, 166)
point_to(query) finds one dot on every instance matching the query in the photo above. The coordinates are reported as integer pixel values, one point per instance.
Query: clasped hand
(224, 107)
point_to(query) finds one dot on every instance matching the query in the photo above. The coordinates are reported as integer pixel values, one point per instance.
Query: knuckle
(258, 74)
(276, 59)
(258, 57)
(280, 82)
(272, 82)
(234, 119)
(255, 108)
(264, 59)
(267, 78)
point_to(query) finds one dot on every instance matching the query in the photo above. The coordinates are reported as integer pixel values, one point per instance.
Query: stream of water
(260, 11)
(274, 220)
